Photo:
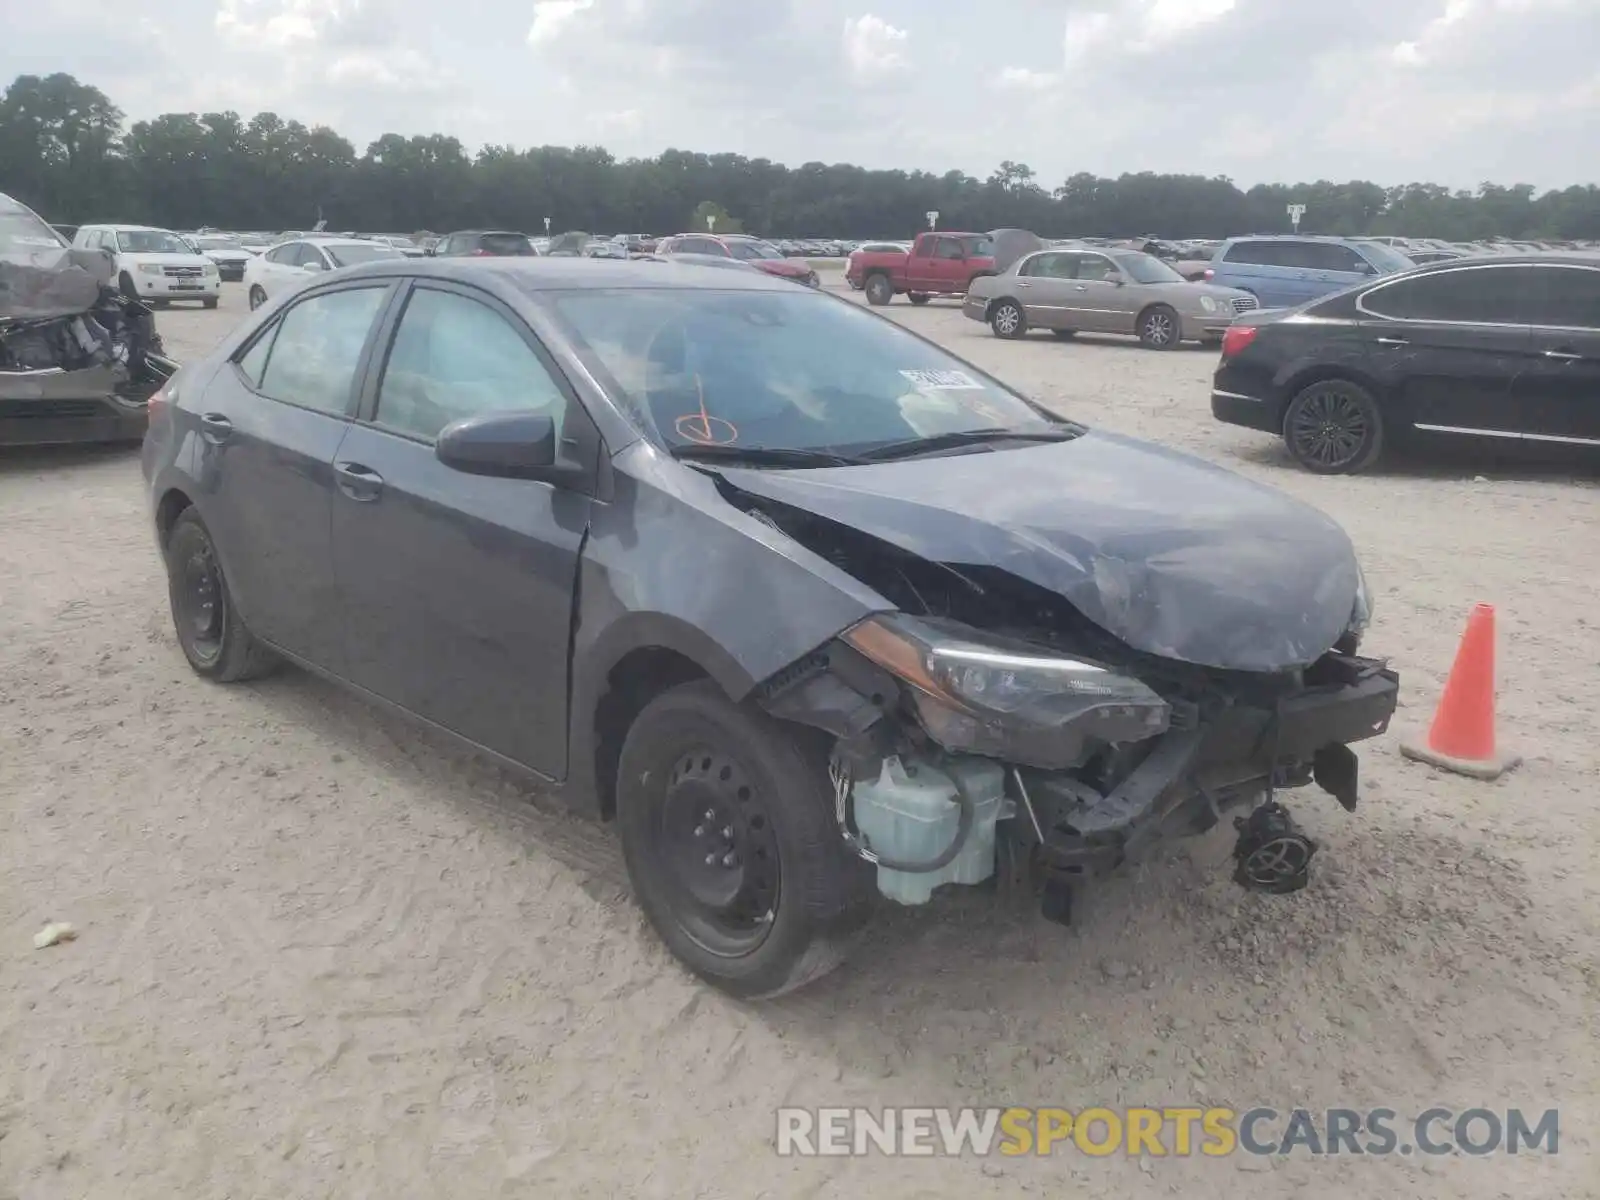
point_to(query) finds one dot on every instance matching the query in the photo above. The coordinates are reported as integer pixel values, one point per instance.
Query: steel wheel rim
(1007, 318)
(1158, 328)
(719, 854)
(1329, 428)
(201, 607)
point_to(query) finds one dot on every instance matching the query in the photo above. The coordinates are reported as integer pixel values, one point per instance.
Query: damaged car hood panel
(1169, 554)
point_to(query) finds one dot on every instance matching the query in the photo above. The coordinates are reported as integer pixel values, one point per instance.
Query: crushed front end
(987, 730)
(78, 360)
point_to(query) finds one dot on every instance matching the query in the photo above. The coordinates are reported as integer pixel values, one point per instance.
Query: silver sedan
(1070, 290)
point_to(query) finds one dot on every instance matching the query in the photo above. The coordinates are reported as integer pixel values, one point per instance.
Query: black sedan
(1495, 350)
(811, 608)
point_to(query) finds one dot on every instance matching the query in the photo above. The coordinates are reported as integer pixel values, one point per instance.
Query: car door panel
(266, 451)
(458, 589)
(1043, 285)
(1448, 346)
(1096, 296)
(1558, 395)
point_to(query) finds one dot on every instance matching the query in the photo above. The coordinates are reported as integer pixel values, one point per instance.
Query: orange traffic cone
(1461, 738)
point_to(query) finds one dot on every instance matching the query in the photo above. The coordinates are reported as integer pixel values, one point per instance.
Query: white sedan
(289, 264)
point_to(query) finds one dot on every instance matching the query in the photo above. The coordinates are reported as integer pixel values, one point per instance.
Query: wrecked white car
(78, 360)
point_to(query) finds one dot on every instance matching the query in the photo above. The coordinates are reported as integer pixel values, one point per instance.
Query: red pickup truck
(939, 264)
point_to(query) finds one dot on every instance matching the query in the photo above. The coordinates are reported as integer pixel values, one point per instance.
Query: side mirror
(311, 266)
(507, 445)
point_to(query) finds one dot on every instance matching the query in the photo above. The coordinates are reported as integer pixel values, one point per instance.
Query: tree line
(67, 151)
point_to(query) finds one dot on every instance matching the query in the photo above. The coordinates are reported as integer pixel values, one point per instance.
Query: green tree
(708, 214)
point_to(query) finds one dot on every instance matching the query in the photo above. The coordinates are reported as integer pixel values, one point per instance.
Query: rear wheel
(210, 633)
(1007, 319)
(257, 296)
(1333, 427)
(879, 290)
(918, 297)
(728, 833)
(1159, 328)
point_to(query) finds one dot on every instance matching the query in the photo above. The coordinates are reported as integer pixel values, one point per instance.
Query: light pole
(933, 218)
(1296, 211)
(547, 227)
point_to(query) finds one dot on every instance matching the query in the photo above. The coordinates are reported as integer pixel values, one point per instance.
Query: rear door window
(949, 248)
(1473, 296)
(1261, 254)
(1565, 298)
(1049, 266)
(313, 359)
(1331, 256)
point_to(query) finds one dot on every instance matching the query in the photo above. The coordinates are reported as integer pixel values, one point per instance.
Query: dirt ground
(321, 956)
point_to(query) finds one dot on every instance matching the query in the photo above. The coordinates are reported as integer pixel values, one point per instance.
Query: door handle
(1563, 355)
(215, 428)
(357, 481)
(1383, 341)
(1081, 288)
(1022, 283)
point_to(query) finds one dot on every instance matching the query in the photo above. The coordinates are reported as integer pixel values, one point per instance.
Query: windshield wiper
(967, 437)
(764, 456)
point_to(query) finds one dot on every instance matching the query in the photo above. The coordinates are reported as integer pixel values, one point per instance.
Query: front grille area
(182, 272)
(1244, 303)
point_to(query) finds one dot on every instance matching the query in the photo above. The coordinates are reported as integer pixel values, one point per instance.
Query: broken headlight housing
(975, 693)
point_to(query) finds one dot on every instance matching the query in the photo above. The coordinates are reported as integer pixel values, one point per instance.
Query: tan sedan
(1089, 290)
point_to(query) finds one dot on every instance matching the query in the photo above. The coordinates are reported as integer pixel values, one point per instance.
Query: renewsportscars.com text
(1165, 1132)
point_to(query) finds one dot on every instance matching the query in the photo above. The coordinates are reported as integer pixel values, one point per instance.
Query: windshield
(1143, 268)
(745, 369)
(151, 241)
(512, 244)
(21, 231)
(1386, 258)
(348, 256)
(753, 250)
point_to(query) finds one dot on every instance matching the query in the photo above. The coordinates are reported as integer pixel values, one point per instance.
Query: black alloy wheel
(1332, 427)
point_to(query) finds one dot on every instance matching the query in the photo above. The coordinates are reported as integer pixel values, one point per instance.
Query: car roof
(1560, 258)
(559, 274)
(480, 232)
(328, 241)
(127, 228)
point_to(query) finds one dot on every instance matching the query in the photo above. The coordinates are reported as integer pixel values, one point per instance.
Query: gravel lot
(321, 956)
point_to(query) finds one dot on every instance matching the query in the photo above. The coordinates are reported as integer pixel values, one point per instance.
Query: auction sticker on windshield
(943, 381)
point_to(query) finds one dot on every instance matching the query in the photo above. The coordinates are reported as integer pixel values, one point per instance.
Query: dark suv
(484, 243)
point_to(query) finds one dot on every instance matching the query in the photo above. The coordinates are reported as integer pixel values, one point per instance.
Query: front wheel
(211, 301)
(918, 297)
(210, 633)
(1008, 320)
(1333, 428)
(257, 296)
(1159, 329)
(879, 290)
(727, 829)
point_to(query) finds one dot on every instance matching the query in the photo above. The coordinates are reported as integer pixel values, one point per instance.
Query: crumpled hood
(1171, 555)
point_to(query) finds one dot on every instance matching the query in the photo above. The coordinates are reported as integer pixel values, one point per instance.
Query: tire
(1065, 334)
(1333, 427)
(1159, 328)
(1007, 319)
(211, 301)
(125, 283)
(257, 297)
(879, 289)
(918, 297)
(793, 898)
(213, 639)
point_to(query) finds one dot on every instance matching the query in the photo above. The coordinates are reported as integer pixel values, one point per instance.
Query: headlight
(1208, 304)
(984, 695)
(149, 268)
(211, 268)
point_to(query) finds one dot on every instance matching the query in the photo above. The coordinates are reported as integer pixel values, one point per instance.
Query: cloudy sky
(1452, 91)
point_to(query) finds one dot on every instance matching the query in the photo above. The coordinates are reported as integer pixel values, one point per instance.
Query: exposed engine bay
(957, 759)
(78, 360)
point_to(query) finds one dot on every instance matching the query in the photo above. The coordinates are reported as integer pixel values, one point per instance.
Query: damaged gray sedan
(817, 612)
(77, 359)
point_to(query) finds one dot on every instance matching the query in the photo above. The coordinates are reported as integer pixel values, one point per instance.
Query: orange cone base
(1473, 768)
